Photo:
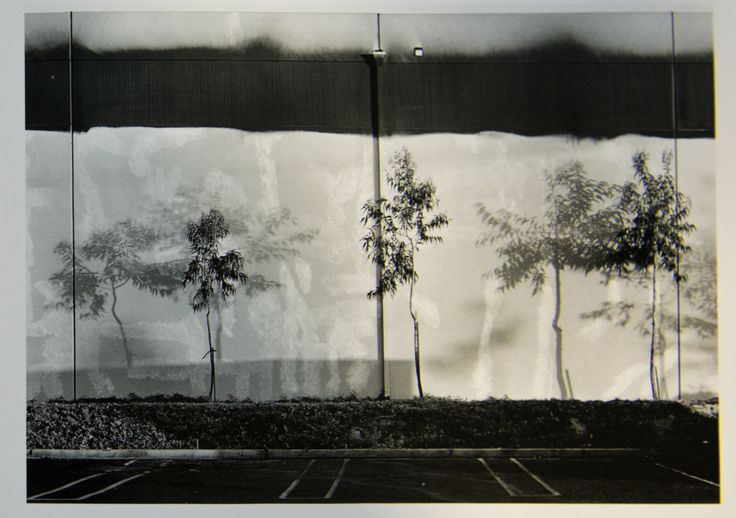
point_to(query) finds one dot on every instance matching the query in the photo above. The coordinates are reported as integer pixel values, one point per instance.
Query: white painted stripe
(498, 479)
(112, 486)
(337, 480)
(687, 475)
(539, 480)
(295, 483)
(130, 462)
(70, 484)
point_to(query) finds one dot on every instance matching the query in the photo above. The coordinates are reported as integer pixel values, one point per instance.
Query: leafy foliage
(700, 314)
(210, 273)
(653, 236)
(397, 228)
(366, 423)
(400, 225)
(266, 234)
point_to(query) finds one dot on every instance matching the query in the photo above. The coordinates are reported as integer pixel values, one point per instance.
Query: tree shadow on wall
(95, 271)
(698, 310)
(578, 221)
(263, 236)
(92, 275)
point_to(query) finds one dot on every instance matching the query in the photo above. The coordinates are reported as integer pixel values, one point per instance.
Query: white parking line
(112, 486)
(507, 487)
(295, 483)
(70, 484)
(687, 474)
(337, 480)
(539, 480)
(330, 492)
(40, 496)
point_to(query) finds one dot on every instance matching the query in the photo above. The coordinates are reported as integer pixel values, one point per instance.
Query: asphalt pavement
(498, 479)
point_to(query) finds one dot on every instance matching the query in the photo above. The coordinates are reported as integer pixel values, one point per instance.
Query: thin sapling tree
(268, 236)
(213, 275)
(652, 239)
(397, 228)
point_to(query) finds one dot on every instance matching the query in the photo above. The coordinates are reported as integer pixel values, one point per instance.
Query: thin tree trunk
(218, 329)
(416, 359)
(661, 347)
(652, 373)
(213, 388)
(128, 354)
(414, 318)
(558, 335)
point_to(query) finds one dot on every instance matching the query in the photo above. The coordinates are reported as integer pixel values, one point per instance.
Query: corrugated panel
(258, 96)
(47, 95)
(584, 99)
(322, 96)
(531, 99)
(695, 99)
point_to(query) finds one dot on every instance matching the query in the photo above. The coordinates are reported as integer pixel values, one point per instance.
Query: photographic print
(371, 258)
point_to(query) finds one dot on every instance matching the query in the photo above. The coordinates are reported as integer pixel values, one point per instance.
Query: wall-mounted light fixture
(418, 52)
(379, 55)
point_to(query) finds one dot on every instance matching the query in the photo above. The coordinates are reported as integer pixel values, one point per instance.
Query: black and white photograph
(305, 258)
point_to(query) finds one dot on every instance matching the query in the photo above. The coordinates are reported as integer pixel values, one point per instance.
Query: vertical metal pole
(378, 31)
(74, 242)
(374, 63)
(677, 206)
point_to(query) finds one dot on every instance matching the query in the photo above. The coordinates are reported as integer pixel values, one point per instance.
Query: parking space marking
(536, 478)
(507, 487)
(130, 462)
(112, 486)
(688, 475)
(295, 483)
(337, 480)
(330, 492)
(65, 486)
(40, 496)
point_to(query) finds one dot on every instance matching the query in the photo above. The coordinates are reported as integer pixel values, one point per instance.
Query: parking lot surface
(374, 480)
